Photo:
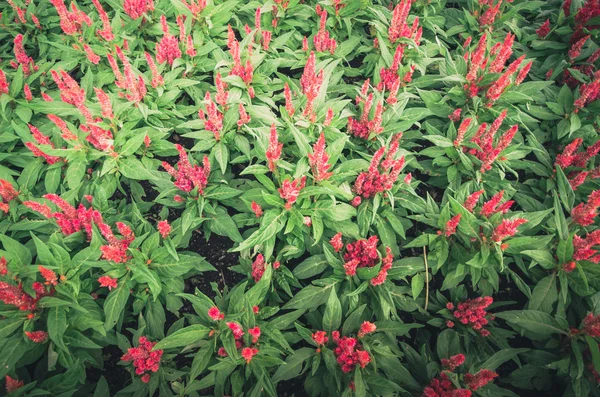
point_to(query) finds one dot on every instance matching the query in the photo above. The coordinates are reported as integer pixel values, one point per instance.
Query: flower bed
(309, 198)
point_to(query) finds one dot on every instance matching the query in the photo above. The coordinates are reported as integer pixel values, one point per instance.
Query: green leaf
(9, 325)
(115, 304)
(57, 325)
(534, 321)
(308, 298)
(183, 337)
(332, 318)
(502, 356)
(133, 168)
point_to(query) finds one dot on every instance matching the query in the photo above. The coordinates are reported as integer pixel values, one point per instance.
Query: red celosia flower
(254, 333)
(451, 225)
(507, 228)
(328, 117)
(27, 92)
(48, 275)
(381, 174)
(7, 194)
(480, 379)
(257, 209)
(255, 309)
(453, 362)
(145, 360)
(222, 93)
(350, 267)
(472, 200)
(71, 92)
(389, 76)
(214, 121)
(442, 386)
(584, 214)
(588, 93)
(62, 125)
(578, 179)
(455, 116)
(107, 281)
(567, 157)
(105, 104)
(290, 190)
(365, 126)
(462, 130)
(336, 242)
(106, 31)
(583, 247)
(591, 325)
(136, 8)
(287, 93)
(215, 313)
(15, 296)
(366, 328)
(386, 265)
(258, 267)
(489, 16)
(91, 55)
(116, 250)
(168, 48)
(543, 30)
(222, 352)
(477, 59)
(3, 83)
(523, 73)
(157, 79)
(569, 266)
(3, 266)
(365, 251)
(311, 85)
(472, 313)
(248, 353)
(244, 117)
(188, 177)
(322, 41)
(164, 228)
(320, 338)
(236, 329)
(492, 206)
(273, 152)
(399, 26)
(318, 160)
(575, 49)
(13, 384)
(348, 354)
(135, 87)
(37, 336)
(356, 201)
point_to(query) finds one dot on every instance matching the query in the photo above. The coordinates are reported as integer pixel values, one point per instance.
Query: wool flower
(37, 336)
(257, 209)
(164, 228)
(188, 176)
(248, 353)
(472, 313)
(254, 333)
(366, 328)
(318, 160)
(320, 338)
(382, 173)
(145, 359)
(290, 190)
(450, 364)
(311, 82)
(336, 242)
(107, 281)
(273, 152)
(215, 313)
(480, 379)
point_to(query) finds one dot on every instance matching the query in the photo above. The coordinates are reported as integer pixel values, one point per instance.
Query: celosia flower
(477, 58)
(222, 93)
(27, 92)
(91, 55)
(591, 325)
(222, 352)
(13, 384)
(567, 157)
(248, 353)
(145, 360)
(336, 242)
(244, 117)
(472, 200)
(311, 85)
(287, 93)
(188, 176)
(523, 73)
(7, 194)
(72, 21)
(71, 92)
(290, 190)
(584, 214)
(455, 116)
(48, 275)
(386, 265)
(106, 31)
(258, 267)
(398, 25)
(67, 135)
(3, 83)
(462, 130)
(450, 364)
(442, 386)
(575, 49)
(472, 313)
(164, 228)
(3, 266)
(215, 313)
(348, 354)
(507, 228)
(480, 379)
(254, 333)
(320, 338)
(107, 281)
(569, 266)
(37, 336)
(168, 48)
(15, 296)
(356, 201)
(493, 206)
(137, 8)
(350, 267)
(364, 251)
(583, 247)
(273, 152)
(318, 160)
(451, 225)
(105, 104)
(328, 117)
(257, 209)
(543, 30)
(322, 41)
(366, 328)
(236, 329)
(381, 175)
(116, 250)
(157, 79)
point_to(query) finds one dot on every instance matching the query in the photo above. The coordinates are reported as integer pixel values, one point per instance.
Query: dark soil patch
(116, 376)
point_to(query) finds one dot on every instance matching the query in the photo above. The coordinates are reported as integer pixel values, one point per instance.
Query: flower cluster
(507, 228)
(591, 325)
(188, 176)
(135, 87)
(144, 359)
(584, 213)
(70, 220)
(493, 206)
(290, 190)
(382, 172)
(116, 249)
(273, 152)
(137, 8)
(363, 252)
(480, 379)
(108, 282)
(322, 41)
(366, 328)
(398, 25)
(450, 364)
(472, 312)
(14, 295)
(318, 160)
(364, 127)
(168, 48)
(215, 314)
(348, 353)
(7, 194)
(583, 247)
(442, 386)
(37, 336)
(13, 384)
(310, 82)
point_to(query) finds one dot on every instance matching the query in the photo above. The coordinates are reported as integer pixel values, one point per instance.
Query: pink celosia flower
(318, 160)
(584, 214)
(254, 333)
(480, 379)
(451, 225)
(320, 338)
(462, 130)
(290, 190)
(107, 281)
(507, 228)
(311, 85)
(157, 79)
(72, 21)
(21, 56)
(248, 353)
(366, 328)
(523, 73)
(591, 325)
(287, 93)
(188, 176)
(244, 117)
(543, 30)
(348, 354)
(27, 92)
(116, 250)
(472, 200)
(71, 92)
(364, 127)
(164, 228)
(91, 55)
(398, 25)
(322, 40)
(442, 386)
(273, 152)
(386, 265)
(168, 48)
(7, 194)
(214, 121)
(13, 384)
(455, 116)
(48, 275)
(489, 16)
(257, 209)
(37, 336)
(137, 8)
(222, 93)
(215, 313)
(365, 251)
(145, 360)
(472, 313)
(105, 103)
(106, 31)
(3, 83)
(258, 267)
(450, 364)
(336, 242)
(236, 329)
(381, 175)
(328, 117)
(15, 296)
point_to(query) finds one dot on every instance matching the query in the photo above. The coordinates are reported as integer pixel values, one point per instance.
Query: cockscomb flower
(72, 21)
(584, 213)
(71, 92)
(328, 117)
(348, 354)
(222, 93)
(258, 267)
(145, 360)
(27, 93)
(578, 179)
(364, 251)
(157, 79)
(583, 247)
(366, 328)
(455, 116)
(254, 333)
(320, 338)
(100, 138)
(15, 296)
(350, 267)
(318, 160)
(164, 228)
(290, 190)
(476, 59)
(365, 126)
(398, 25)
(523, 73)
(336, 242)
(13, 384)
(567, 157)
(236, 330)
(442, 386)
(569, 266)
(287, 93)
(3, 266)
(41, 139)
(389, 76)
(588, 93)
(386, 265)
(21, 56)
(7, 194)
(311, 85)
(462, 130)
(3, 83)
(472, 312)
(591, 325)
(137, 8)
(472, 199)
(213, 119)
(489, 16)
(106, 31)
(244, 116)
(576, 48)
(493, 206)
(248, 353)
(215, 314)
(168, 48)
(451, 225)
(480, 379)
(273, 152)
(37, 336)
(257, 209)
(116, 250)
(543, 30)
(105, 103)
(322, 40)
(188, 176)
(195, 6)
(107, 281)
(91, 55)
(507, 228)
(381, 175)
(49, 276)
(450, 364)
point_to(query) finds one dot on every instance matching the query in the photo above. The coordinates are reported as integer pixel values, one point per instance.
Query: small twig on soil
(426, 277)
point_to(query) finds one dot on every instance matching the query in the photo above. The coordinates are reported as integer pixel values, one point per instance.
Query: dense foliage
(408, 190)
